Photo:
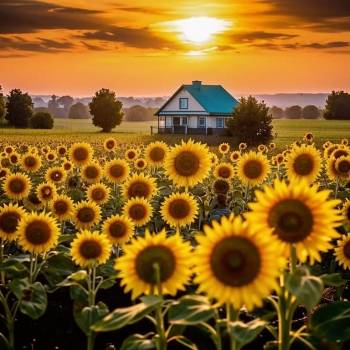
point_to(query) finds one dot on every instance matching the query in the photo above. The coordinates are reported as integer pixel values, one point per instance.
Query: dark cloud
(252, 36)
(330, 45)
(143, 10)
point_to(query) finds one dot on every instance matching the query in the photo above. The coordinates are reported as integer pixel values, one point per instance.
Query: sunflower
(61, 150)
(253, 168)
(342, 251)
(331, 171)
(98, 193)
(17, 186)
(91, 172)
(8, 149)
(224, 170)
(308, 137)
(51, 156)
(55, 175)
(345, 142)
(46, 191)
(235, 156)
(187, 164)
(86, 215)
(116, 170)
(10, 215)
(242, 146)
(67, 165)
(224, 148)
(299, 214)
(263, 149)
(346, 214)
(170, 254)
(31, 162)
(236, 263)
(138, 210)
(38, 233)
(140, 164)
(340, 152)
(109, 144)
(304, 162)
(90, 247)
(329, 150)
(139, 185)
(4, 172)
(214, 159)
(61, 207)
(131, 154)
(155, 153)
(272, 145)
(342, 166)
(81, 153)
(118, 228)
(45, 149)
(14, 158)
(32, 202)
(221, 185)
(179, 209)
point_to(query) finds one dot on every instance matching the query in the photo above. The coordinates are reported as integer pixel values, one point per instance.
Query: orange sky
(138, 48)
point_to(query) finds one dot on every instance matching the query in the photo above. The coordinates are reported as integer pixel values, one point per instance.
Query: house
(196, 109)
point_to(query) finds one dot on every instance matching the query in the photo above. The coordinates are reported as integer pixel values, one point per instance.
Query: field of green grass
(287, 132)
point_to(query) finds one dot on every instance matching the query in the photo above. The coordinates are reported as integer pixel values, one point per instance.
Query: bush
(42, 120)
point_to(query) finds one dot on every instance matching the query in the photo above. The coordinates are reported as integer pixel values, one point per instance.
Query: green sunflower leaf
(127, 315)
(308, 289)
(4, 343)
(333, 279)
(332, 321)
(190, 310)
(139, 342)
(14, 269)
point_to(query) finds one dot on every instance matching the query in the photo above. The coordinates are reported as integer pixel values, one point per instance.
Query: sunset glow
(147, 48)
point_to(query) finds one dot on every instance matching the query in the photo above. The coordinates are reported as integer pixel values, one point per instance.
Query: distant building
(196, 109)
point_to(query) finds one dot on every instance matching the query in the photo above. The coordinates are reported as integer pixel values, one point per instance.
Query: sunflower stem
(2, 260)
(91, 288)
(293, 258)
(336, 187)
(218, 332)
(284, 318)
(231, 315)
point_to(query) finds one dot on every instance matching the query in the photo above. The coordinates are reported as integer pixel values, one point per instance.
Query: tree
(293, 112)
(337, 106)
(251, 122)
(277, 112)
(2, 104)
(310, 112)
(79, 111)
(19, 108)
(42, 120)
(136, 113)
(53, 103)
(106, 110)
(66, 101)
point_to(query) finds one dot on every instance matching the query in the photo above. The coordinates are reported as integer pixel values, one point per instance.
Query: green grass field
(288, 131)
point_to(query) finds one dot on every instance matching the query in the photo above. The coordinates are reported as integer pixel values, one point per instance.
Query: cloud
(260, 35)
(330, 45)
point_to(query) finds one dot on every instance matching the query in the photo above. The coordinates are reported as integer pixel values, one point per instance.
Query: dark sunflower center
(187, 163)
(38, 232)
(223, 148)
(50, 157)
(137, 212)
(117, 170)
(235, 261)
(80, 153)
(179, 209)
(339, 152)
(117, 229)
(224, 172)
(292, 220)
(90, 250)
(91, 172)
(110, 145)
(344, 167)
(157, 154)
(33, 198)
(56, 175)
(131, 155)
(138, 190)
(346, 250)
(67, 166)
(86, 215)
(46, 192)
(3, 173)
(221, 186)
(252, 169)
(8, 222)
(235, 156)
(347, 213)
(61, 207)
(140, 164)
(62, 151)
(149, 256)
(13, 158)
(17, 186)
(303, 165)
(30, 161)
(98, 194)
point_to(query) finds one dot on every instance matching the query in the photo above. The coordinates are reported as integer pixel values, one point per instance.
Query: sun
(200, 29)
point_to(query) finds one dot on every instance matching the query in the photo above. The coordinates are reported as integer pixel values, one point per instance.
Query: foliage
(106, 110)
(2, 104)
(79, 111)
(42, 120)
(53, 103)
(139, 113)
(293, 112)
(277, 112)
(251, 122)
(19, 108)
(337, 106)
(310, 112)
(66, 101)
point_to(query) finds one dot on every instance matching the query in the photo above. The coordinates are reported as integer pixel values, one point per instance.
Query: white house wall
(193, 105)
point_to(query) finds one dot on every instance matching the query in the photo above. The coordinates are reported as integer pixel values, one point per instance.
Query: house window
(183, 103)
(201, 122)
(184, 121)
(220, 122)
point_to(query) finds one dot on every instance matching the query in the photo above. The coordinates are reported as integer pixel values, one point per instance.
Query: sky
(150, 48)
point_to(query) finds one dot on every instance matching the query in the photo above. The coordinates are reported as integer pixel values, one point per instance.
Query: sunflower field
(133, 245)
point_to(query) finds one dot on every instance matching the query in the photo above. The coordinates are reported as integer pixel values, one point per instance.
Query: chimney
(196, 84)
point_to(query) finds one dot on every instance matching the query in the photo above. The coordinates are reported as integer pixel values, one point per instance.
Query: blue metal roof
(213, 98)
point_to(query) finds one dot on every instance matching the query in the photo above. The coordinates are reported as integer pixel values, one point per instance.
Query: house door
(176, 121)
(177, 125)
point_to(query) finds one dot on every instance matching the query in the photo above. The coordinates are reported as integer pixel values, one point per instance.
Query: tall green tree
(337, 106)
(293, 112)
(19, 108)
(79, 111)
(310, 112)
(277, 112)
(2, 104)
(251, 122)
(106, 110)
